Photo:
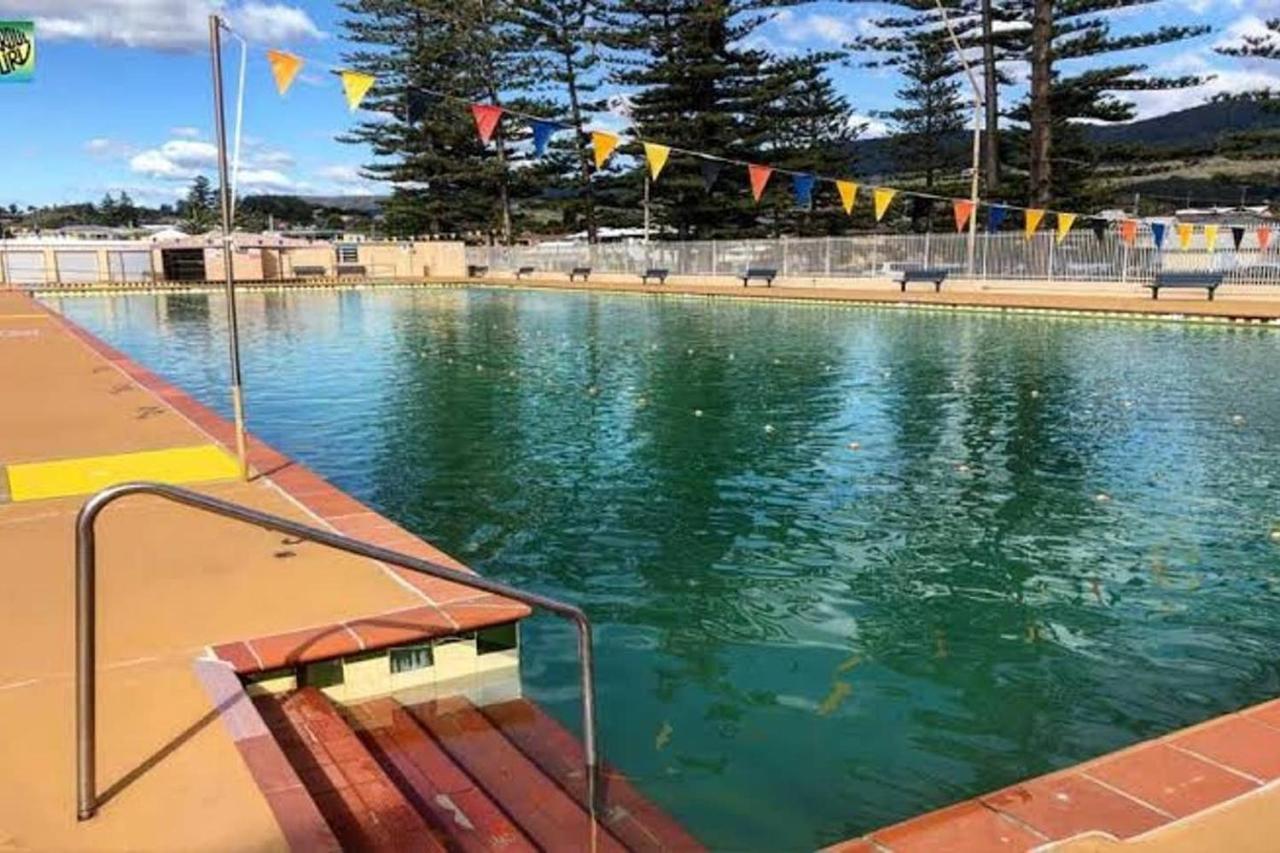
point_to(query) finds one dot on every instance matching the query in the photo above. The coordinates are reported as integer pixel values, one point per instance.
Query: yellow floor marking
(39, 480)
(24, 316)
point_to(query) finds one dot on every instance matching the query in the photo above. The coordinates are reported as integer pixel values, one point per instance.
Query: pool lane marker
(61, 478)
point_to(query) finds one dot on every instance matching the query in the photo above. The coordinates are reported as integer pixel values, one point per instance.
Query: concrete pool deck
(185, 601)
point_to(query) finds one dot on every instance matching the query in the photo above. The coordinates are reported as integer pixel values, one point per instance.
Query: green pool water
(845, 564)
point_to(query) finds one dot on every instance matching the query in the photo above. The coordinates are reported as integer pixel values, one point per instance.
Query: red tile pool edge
(1123, 794)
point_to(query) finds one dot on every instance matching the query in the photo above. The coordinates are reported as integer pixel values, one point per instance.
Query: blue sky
(121, 96)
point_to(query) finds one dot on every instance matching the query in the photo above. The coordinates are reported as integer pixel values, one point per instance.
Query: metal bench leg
(1211, 290)
(1155, 293)
(937, 288)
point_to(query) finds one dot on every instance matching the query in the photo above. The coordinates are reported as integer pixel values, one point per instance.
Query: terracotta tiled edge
(447, 607)
(303, 826)
(1120, 795)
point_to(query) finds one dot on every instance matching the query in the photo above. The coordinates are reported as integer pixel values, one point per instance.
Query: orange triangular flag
(602, 144)
(1033, 219)
(1264, 237)
(848, 194)
(284, 67)
(487, 117)
(1185, 232)
(656, 155)
(963, 209)
(355, 86)
(759, 178)
(1129, 231)
(883, 198)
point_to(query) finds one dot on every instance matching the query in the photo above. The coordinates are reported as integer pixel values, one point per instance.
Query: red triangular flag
(486, 116)
(759, 177)
(963, 209)
(1264, 237)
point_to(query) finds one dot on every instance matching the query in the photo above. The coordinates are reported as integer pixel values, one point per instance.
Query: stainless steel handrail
(86, 616)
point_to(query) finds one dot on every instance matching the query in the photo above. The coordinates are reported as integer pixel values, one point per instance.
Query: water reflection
(799, 641)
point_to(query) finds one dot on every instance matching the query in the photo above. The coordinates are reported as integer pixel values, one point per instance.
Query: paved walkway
(172, 583)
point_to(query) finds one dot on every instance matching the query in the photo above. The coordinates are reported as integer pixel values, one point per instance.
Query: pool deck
(185, 601)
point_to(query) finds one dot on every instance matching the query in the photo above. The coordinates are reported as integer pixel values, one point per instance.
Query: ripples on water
(846, 564)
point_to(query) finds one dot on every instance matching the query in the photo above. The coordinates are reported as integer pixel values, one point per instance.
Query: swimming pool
(846, 564)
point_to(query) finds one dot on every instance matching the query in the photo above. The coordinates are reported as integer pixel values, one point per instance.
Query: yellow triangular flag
(603, 144)
(657, 156)
(1211, 237)
(1185, 232)
(848, 194)
(356, 85)
(1065, 221)
(284, 67)
(883, 198)
(1033, 217)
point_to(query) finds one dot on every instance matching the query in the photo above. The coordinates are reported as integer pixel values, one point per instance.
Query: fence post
(828, 265)
(1053, 246)
(927, 234)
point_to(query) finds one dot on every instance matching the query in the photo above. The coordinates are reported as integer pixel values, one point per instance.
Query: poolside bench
(351, 269)
(585, 272)
(524, 271)
(765, 274)
(655, 272)
(1209, 281)
(911, 276)
(309, 272)
(476, 270)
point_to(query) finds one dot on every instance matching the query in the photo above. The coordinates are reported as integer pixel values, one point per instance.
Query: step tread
(546, 813)
(437, 787)
(359, 801)
(634, 819)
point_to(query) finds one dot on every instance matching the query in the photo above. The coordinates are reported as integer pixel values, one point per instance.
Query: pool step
(361, 804)
(626, 813)
(546, 812)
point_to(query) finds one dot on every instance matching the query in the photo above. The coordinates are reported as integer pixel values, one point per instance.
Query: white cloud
(163, 24)
(104, 147)
(823, 29)
(177, 159)
(186, 132)
(872, 128)
(345, 179)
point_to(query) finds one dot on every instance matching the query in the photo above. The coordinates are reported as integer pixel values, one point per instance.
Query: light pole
(977, 135)
(224, 193)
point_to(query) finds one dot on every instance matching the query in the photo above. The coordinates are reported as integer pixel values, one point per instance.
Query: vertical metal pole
(978, 106)
(86, 669)
(233, 327)
(646, 207)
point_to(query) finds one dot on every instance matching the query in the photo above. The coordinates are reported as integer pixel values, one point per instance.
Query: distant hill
(367, 204)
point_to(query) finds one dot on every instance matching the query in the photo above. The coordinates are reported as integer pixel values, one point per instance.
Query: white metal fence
(1082, 256)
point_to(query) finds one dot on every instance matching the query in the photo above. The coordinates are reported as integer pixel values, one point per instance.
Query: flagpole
(224, 192)
(977, 136)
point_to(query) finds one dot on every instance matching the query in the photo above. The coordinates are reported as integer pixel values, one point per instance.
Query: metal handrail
(86, 616)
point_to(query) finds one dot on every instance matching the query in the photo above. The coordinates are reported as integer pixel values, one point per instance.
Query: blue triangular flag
(542, 131)
(1157, 231)
(802, 186)
(996, 216)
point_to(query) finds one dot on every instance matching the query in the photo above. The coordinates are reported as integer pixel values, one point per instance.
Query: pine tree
(107, 210)
(699, 86)
(562, 33)
(1264, 45)
(932, 112)
(197, 210)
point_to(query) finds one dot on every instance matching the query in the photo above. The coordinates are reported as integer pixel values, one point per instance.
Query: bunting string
(285, 68)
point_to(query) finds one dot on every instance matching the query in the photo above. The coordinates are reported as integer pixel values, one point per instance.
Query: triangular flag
(848, 194)
(356, 85)
(1157, 234)
(1185, 232)
(417, 102)
(1032, 219)
(487, 117)
(1099, 227)
(1211, 237)
(802, 186)
(1237, 237)
(542, 133)
(602, 144)
(996, 217)
(1129, 231)
(1264, 237)
(284, 67)
(710, 171)
(656, 156)
(883, 198)
(1065, 221)
(963, 209)
(759, 178)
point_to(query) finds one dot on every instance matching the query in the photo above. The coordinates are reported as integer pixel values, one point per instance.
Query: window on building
(409, 658)
(348, 253)
(499, 638)
(326, 673)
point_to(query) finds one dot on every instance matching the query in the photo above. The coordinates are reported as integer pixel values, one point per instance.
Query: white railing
(1080, 257)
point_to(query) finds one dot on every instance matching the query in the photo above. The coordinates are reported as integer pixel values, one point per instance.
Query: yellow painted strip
(24, 316)
(40, 480)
